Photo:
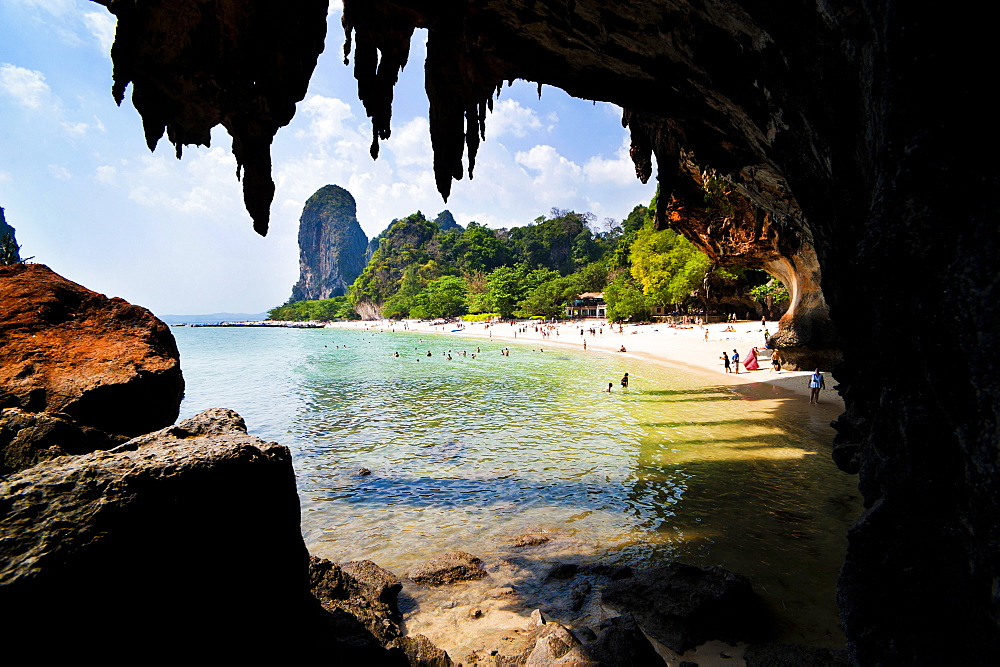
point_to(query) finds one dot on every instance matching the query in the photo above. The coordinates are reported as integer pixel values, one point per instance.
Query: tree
(666, 265)
(626, 301)
(444, 297)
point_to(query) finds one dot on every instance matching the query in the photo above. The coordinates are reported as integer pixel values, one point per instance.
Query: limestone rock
(621, 643)
(187, 539)
(362, 589)
(421, 652)
(332, 245)
(448, 568)
(104, 362)
(29, 437)
(683, 606)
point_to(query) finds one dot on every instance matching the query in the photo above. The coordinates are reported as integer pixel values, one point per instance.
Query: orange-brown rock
(104, 362)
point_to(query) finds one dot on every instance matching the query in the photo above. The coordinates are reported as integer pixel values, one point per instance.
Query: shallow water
(467, 453)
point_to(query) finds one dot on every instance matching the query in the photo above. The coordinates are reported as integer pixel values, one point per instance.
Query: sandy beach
(683, 347)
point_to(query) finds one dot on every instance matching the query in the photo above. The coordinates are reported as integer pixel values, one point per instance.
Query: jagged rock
(190, 534)
(362, 589)
(683, 606)
(104, 362)
(29, 437)
(448, 568)
(793, 655)
(332, 245)
(240, 64)
(620, 643)
(421, 652)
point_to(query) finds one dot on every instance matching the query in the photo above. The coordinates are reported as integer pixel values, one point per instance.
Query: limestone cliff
(861, 128)
(332, 245)
(9, 250)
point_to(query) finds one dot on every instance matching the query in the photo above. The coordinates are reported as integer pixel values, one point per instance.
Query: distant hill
(332, 245)
(212, 318)
(446, 221)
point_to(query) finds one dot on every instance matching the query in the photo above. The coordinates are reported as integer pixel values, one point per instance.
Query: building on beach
(588, 304)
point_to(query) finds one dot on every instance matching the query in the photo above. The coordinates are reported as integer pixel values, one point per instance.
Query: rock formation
(103, 362)
(26, 438)
(9, 250)
(184, 541)
(331, 245)
(683, 606)
(868, 116)
(446, 221)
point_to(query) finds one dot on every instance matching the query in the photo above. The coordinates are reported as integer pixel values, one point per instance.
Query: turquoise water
(469, 452)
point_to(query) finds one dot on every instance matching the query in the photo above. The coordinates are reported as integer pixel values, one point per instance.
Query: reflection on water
(469, 452)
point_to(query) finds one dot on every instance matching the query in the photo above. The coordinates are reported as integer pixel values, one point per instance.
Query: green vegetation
(10, 252)
(336, 308)
(432, 269)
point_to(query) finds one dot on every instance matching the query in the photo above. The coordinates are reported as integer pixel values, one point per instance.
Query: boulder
(448, 568)
(421, 652)
(683, 606)
(362, 589)
(29, 437)
(103, 362)
(186, 540)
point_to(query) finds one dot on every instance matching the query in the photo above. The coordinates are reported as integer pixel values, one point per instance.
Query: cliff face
(332, 246)
(854, 126)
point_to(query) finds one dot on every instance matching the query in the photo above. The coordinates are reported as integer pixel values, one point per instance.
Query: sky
(88, 198)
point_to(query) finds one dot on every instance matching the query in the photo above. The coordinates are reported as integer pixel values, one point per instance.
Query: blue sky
(88, 198)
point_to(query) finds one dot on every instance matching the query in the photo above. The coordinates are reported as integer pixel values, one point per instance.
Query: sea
(469, 452)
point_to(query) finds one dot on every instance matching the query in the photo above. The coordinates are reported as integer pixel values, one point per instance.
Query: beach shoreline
(681, 347)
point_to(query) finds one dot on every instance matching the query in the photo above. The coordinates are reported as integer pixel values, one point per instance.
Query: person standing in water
(625, 381)
(816, 382)
(610, 384)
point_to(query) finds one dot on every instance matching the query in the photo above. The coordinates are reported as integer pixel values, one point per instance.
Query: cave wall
(868, 116)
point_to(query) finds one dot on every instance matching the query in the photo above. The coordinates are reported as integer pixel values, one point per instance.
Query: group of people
(624, 383)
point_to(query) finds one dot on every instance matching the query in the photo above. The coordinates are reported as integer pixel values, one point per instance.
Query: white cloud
(510, 118)
(410, 145)
(26, 86)
(60, 172)
(327, 116)
(107, 174)
(557, 176)
(102, 27)
(619, 170)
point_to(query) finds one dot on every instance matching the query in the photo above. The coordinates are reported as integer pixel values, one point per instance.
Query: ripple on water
(468, 452)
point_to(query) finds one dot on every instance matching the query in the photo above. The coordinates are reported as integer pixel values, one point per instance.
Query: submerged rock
(103, 362)
(683, 606)
(447, 569)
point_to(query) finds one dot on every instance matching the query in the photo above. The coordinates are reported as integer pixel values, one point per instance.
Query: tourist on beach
(585, 343)
(706, 334)
(625, 381)
(775, 361)
(725, 361)
(622, 349)
(736, 361)
(816, 382)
